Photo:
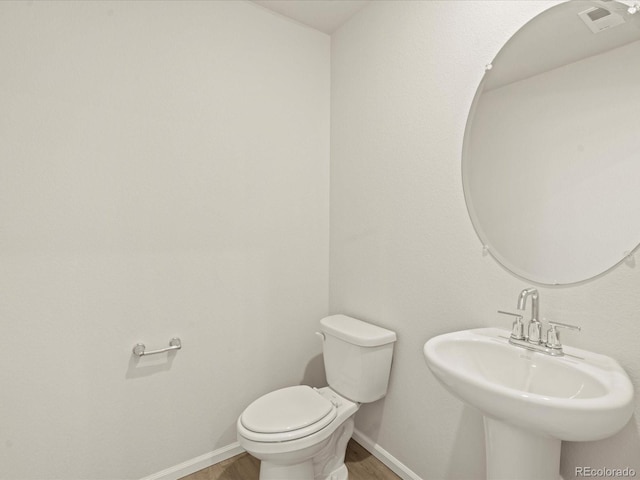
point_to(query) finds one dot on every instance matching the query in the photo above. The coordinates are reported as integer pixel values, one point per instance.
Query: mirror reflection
(551, 159)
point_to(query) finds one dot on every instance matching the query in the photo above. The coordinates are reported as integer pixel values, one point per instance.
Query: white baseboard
(395, 465)
(203, 461)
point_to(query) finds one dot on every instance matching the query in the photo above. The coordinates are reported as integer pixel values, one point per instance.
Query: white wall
(403, 251)
(163, 172)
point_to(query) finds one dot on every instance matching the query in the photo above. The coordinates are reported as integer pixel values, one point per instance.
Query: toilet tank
(357, 357)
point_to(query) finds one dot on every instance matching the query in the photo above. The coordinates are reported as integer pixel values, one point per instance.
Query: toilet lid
(287, 409)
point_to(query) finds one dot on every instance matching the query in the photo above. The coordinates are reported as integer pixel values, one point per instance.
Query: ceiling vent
(599, 18)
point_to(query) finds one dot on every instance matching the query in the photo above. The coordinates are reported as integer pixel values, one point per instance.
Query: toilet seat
(287, 414)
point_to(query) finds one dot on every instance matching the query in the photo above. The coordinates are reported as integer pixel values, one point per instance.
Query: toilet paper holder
(139, 349)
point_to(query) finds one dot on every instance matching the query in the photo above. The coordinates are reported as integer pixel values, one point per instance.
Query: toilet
(300, 432)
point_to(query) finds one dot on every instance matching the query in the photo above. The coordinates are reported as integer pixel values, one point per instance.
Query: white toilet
(301, 433)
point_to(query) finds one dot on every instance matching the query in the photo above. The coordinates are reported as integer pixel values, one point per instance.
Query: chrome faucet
(534, 340)
(534, 330)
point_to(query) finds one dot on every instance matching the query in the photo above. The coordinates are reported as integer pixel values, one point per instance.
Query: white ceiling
(324, 15)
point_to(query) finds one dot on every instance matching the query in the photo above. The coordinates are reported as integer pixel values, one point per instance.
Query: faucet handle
(553, 336)
(517, 329)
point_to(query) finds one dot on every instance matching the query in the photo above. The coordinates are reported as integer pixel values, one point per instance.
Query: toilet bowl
(298, 433)
(301, 433)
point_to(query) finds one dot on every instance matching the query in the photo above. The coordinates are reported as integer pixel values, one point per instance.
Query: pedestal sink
(530, 401)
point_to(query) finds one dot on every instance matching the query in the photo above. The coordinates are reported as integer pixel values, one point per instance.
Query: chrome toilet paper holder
(139, 349)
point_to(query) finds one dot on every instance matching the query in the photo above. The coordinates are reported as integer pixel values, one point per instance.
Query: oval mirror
(551, 156)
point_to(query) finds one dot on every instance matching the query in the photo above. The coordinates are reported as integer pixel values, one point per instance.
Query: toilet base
(327, 463)
(272, 471)
(339, 474)
(304, 470)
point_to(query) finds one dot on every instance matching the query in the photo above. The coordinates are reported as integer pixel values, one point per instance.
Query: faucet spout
(534, 330)
(535, 307)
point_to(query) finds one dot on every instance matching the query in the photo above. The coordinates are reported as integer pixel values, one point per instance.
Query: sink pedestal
(517, 454)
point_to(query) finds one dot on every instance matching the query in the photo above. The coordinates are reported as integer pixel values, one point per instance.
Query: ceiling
(324, 15)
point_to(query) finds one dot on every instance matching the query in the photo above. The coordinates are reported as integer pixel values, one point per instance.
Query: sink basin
(581, 396)
(531, 401)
